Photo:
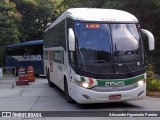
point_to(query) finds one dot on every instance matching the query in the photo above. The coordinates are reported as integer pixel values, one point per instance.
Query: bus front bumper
(88, 96)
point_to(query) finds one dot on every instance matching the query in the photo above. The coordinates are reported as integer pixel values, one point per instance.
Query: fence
(7, 76)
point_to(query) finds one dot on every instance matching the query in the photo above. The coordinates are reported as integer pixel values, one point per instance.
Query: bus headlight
(84, 84)
(141, 82)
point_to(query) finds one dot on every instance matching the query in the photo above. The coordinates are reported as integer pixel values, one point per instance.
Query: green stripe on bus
(125, 81)
(102, 82)
(83, 79)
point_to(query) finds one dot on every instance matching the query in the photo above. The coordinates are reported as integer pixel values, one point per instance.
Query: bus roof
(96, 14)
(27, 43)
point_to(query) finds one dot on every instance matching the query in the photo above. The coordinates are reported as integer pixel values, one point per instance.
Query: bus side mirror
(151, 40)
(71, 38)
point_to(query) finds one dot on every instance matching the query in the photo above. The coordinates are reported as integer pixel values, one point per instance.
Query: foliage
(47, 11)
(37, 14)
(27, 26)
(150, 71)
(153, 84)
(115, 4)
(9, 32)
(84, 3)
(8, 18)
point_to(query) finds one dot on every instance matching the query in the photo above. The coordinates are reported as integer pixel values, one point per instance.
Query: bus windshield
(108, 48)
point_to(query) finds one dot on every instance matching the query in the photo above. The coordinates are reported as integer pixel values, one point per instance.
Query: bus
(96, 55)
(25, 54)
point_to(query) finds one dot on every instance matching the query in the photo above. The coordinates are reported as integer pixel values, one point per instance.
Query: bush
(153, 84)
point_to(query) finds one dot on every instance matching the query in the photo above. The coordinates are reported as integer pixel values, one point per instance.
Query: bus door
(51, 66)
(59, 66)
(61, 69)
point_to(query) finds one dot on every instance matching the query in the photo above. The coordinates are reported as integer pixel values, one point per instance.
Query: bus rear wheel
(49, 81)
(67, 97)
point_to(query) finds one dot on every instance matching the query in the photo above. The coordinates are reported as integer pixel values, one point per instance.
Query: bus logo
(28, 58)
(121, 83)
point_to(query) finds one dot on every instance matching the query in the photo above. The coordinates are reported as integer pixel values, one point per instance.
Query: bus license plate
(112, 97)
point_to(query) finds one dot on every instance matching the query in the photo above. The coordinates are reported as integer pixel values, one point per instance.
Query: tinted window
(55, 37)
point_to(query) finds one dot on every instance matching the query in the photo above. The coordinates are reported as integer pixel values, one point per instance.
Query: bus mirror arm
(71, 38)
(151, 40)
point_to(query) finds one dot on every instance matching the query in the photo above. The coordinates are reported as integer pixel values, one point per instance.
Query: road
(39, 97)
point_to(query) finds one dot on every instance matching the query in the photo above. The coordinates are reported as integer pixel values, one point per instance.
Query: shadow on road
(97, 105)
(107, 105)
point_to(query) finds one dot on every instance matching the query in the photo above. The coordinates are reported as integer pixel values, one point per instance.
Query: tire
(49, 81)
(67, 97)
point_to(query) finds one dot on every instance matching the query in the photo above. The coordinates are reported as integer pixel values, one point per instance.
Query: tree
(84, 3)
(27, 27)
(8, 23)
(47, 11)
(9, 33)
(36, 15)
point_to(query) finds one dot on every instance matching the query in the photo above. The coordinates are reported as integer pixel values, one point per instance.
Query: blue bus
(25, 54)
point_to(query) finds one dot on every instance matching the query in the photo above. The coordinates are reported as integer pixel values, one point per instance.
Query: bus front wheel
(68, 98)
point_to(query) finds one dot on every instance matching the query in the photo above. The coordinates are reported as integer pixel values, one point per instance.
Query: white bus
(96, 55)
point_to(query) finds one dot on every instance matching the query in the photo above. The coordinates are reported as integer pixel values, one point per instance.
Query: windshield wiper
(98, 61)
(82, 58)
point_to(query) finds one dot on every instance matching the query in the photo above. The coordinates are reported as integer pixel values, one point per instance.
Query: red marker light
(91, 81)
